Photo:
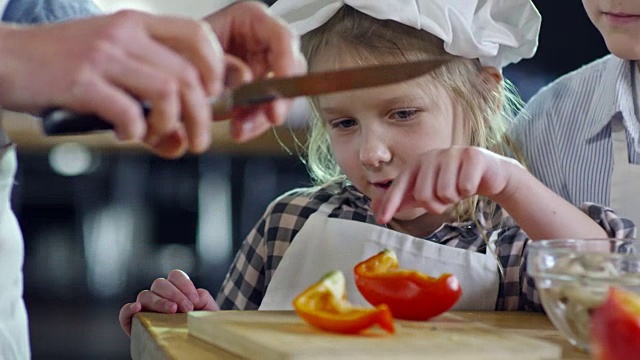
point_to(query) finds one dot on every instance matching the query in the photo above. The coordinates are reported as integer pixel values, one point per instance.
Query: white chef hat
(498, 32)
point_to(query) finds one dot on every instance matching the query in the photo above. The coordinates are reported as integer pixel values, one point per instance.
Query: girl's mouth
(383, 185)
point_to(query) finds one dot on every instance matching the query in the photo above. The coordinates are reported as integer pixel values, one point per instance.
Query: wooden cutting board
(283, 335)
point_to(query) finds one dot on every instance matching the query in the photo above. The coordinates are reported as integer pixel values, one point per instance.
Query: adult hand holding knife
(246, 97)
(102, 64)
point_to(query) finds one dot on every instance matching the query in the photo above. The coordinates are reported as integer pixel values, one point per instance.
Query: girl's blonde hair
(366, 40)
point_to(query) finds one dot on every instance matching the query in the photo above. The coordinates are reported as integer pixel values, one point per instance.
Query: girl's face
(619, 23)
(375, 132)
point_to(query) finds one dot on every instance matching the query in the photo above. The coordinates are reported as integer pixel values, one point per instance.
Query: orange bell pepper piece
(410, 295)
(325, 306)
(615, 327)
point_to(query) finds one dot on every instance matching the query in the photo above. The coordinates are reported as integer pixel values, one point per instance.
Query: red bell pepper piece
(615, 327)
(410, 295)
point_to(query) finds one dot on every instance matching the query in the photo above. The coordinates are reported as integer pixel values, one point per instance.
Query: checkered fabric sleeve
(262, 250)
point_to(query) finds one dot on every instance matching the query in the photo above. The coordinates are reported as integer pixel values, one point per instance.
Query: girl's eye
(343, 123)
(404, 114)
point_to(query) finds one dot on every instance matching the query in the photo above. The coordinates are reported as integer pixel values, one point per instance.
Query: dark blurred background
(100, 225)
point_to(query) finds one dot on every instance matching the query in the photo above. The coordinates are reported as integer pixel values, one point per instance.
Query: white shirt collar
(612, 95)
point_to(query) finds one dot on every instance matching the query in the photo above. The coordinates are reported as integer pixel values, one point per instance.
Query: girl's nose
(374, 151)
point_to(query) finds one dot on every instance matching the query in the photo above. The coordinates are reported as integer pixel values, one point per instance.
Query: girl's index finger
(393, 198)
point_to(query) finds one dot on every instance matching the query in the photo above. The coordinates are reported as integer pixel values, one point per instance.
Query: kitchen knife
(59, 121)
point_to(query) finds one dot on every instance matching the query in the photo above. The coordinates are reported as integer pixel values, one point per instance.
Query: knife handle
(59, 121)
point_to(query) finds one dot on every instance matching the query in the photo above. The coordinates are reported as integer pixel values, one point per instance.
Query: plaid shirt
(266, 244)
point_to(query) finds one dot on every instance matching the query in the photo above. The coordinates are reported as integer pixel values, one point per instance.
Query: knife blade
(60, 121)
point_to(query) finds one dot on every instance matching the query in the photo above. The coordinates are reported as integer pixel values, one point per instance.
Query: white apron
(325, 244)
(625, 179)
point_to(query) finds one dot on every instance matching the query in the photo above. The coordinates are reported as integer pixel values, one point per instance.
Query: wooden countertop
(25, 131)
(161, 336)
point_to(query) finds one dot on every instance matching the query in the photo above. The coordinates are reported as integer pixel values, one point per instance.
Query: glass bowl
(573, 277)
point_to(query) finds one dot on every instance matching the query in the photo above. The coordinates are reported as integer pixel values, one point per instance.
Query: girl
(427, 155)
